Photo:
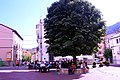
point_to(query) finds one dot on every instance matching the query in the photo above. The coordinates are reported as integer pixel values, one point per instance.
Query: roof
(114, 28)
(13, 31)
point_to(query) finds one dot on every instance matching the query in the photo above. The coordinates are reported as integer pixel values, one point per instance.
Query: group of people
(45, 66)
(72, 66)
(42, 66)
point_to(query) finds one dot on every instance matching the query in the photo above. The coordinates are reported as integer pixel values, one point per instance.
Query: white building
(42, 46)
(114, 44)
(113, 41)
(18, 46)
(10, 45)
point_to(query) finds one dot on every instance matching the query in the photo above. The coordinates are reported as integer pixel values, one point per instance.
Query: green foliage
(108, 54)
(106, 63)
(73, 27)
(26, 58)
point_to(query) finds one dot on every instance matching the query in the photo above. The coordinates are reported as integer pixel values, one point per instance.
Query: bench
(77, 71)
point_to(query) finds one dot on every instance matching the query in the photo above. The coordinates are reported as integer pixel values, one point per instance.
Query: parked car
(31, 65)
(97, 60)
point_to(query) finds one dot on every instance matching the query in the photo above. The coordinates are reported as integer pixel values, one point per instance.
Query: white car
(97, 60)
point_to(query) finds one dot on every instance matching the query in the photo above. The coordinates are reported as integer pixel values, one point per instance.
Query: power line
(29, 44)
(29, 35)
(30, 40)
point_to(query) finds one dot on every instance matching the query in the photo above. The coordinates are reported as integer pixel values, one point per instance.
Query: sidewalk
(115, 65)
(103, 73)
(13, 68)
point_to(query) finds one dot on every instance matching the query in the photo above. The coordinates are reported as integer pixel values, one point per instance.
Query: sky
(23, 15)
(109, 9)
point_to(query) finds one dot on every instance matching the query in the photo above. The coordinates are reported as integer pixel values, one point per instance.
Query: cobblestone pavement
(20, 74)
(102, 73)
(14, 68)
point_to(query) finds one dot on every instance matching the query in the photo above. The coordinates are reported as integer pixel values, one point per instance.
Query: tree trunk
(106, 58)
(74, 60)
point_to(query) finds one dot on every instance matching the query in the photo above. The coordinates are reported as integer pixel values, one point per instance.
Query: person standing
(43, 67)
(58, 67)
(73, 66)
(17, 63)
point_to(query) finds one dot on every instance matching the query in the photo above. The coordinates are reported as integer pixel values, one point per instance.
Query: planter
(106, 63)
(94, 65)
(101, 64)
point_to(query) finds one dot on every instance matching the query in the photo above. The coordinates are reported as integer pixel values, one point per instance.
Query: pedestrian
(73, 66)
(69, 70)
(17, 63)
(43, 67)
(85, 67)
(58, 67)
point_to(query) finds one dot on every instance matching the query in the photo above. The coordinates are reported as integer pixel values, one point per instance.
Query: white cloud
(109, 9)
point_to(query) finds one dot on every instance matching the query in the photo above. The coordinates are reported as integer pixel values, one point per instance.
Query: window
(41, 45)
(37, 36)
(118, 52)
(108, 40)
(46, 46)
(117, 41)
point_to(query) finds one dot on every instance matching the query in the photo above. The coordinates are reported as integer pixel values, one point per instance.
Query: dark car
(31, 65)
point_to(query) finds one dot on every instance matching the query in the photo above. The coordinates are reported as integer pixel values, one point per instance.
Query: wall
(41, 42)
(115, 46)
(5, 41)
(44, 46)
(18, 43)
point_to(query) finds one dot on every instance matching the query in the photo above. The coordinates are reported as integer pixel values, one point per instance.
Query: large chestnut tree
(73, 27)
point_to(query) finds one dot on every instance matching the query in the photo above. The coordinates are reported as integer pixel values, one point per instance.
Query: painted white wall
(44, 51)
(115, 46)
(18, 42)
(41, 39)
(44, 46)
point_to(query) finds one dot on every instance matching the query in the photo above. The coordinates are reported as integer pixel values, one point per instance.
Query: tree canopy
(73, 27)
(108, 53)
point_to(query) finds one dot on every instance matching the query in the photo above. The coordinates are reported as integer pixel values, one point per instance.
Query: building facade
(10, 45)
(112, 41)
(31, 52)
(42, 46)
